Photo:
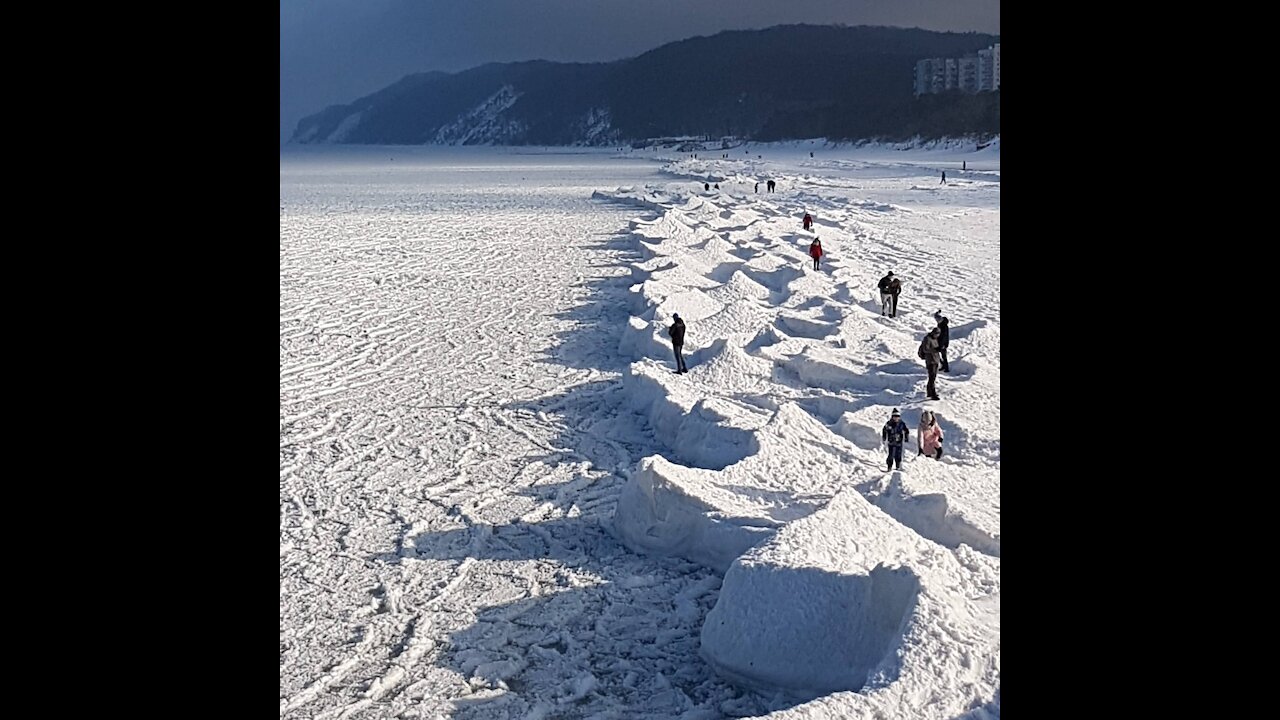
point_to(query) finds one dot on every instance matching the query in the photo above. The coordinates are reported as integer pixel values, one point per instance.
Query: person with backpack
(815, 251)
(885, 298)
(894, 433)
(944, 338)
(929, 436)
(808, 221)
(676, 333)
(928, 352)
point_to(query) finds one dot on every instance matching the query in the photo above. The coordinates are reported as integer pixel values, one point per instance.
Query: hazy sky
(334, 51)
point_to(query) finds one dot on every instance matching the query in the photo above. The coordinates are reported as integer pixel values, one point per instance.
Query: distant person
(815, 251)
(894, 433)
(929, 436)
(757, 187)
(808, 221)
(676, 332)
(944, 338)
(895, 289)
(770, 185)
(929, 353)
(810, 153)
(944, 177)
(964, 164)
(706, 186)
(886, 299)
(717, 186)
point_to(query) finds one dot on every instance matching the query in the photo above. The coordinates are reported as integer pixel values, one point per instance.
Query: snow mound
(711, 516)
(921, 502)
(704, 431)
(847, 599)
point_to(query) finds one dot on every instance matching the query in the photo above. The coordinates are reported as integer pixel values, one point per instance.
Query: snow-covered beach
(498, 500)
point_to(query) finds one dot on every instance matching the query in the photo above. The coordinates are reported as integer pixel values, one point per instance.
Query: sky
(335, 51)
(499, 501)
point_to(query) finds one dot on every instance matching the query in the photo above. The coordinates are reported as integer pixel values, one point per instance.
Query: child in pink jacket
(929, 436)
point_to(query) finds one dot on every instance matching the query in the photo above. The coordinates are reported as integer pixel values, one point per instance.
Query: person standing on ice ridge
(885, 297)
(895, 289)
(929, 436)
(928, 352)
(815, 251)
(676, 332)
(895, 433)
(944, 338)
(808, 221)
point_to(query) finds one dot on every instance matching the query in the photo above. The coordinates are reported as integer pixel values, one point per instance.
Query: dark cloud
(334, 51)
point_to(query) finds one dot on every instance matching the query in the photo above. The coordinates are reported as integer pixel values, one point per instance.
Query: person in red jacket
(815, 251)
(808, 221)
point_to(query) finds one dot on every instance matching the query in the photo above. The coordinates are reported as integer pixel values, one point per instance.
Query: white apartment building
(967, 74)
(930, 76)
(986, 70)
(995, 66)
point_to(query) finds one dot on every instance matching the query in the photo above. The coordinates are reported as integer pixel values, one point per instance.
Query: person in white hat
(895, 433)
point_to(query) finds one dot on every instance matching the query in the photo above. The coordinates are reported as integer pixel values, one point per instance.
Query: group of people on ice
(896, 432)
(932, 350)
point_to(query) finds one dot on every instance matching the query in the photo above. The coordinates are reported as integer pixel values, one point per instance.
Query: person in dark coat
(886, 298)
(706, 186)
(770, 185)
(676, 331)
(895, 289)
(894, 433)
(944, 338)
(929, 353)
(757, 187)
(944, 177)
(807, 221)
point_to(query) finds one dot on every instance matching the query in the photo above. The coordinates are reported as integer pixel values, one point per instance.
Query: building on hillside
(971, 74)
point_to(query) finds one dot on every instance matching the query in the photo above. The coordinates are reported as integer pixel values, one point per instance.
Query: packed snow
(499, 501)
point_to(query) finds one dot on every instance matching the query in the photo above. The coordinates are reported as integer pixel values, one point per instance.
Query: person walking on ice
(886, 299)
(895, 289)
(895, 433)
(944, 338)
(928, 352)
(676, 333)
(944, 177)
(929, 436)
(808, 221)
(815, 251)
